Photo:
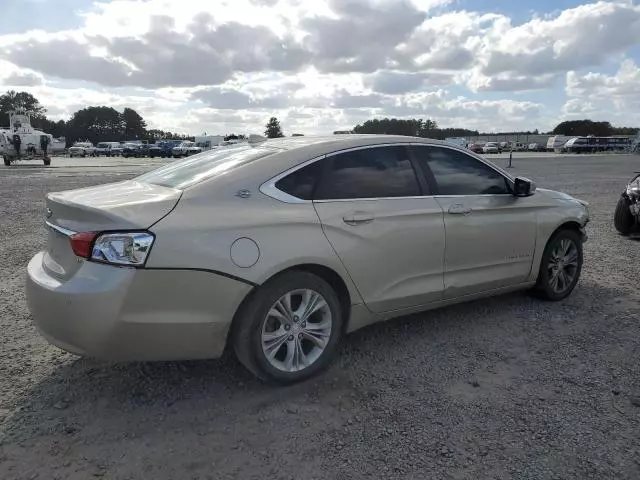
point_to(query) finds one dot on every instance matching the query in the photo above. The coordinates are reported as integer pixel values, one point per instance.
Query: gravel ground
(509, 387)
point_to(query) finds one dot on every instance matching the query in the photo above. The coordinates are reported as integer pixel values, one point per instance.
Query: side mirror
(523, 187)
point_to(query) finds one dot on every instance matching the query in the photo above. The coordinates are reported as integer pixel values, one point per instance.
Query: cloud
(615, 97)
(333, 63)
(398, 82)
(580, 37)
(165, 45)
(625, 83)
(23, 79)
(362, 36)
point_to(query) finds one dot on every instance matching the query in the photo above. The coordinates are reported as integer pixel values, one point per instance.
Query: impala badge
(49, 213)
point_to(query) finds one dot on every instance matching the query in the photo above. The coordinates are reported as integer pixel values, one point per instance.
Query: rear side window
(457, 173)
(378, 172)
(302, 182)
(203, 166)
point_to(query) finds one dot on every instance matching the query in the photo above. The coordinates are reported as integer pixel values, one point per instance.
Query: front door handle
(459, 209)
(358, 218)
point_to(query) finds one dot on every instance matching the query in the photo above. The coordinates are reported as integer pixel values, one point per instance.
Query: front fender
(568, 213)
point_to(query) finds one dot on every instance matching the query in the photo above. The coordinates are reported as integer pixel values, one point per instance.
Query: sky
(226, 66)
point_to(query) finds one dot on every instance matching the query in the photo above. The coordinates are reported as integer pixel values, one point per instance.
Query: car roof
(343, 141)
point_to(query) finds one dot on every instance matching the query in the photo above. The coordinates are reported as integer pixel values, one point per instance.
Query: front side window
(378, 172)
(457, 173)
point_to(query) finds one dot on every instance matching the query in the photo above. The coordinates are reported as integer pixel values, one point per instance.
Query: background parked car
(82, 149)
(163, 148)
(104, 149)
(185, 149)
(491, 147)
(137, 150)
(537, 147)
(116, 150)
(475, 147)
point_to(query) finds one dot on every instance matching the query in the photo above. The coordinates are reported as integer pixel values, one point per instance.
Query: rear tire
(46, 161)
(260, 327)
(7, 161)
(561, 266)
(622, 218)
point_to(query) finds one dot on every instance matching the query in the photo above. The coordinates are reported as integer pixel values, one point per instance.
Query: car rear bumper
(134, 314)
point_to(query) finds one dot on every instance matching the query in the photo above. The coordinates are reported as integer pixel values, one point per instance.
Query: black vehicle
(627, 215)
(135, 150)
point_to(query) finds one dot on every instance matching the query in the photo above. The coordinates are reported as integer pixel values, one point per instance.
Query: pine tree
(273, 129)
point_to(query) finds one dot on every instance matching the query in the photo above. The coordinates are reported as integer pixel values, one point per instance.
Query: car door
(385, 228)
(490, 233)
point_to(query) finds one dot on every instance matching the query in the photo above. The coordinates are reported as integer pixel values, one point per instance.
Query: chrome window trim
(64, 231)
(269, 187)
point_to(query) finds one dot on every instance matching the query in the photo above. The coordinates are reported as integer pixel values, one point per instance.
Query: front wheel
(622, 218)
(7, 161)
(561, 266)
(289, 329)
(46, 161)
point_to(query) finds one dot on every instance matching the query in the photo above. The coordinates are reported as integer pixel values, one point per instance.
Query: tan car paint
(182, 304)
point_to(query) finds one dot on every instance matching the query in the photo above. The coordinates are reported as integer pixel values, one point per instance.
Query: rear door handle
(459, 209)
(358, 218)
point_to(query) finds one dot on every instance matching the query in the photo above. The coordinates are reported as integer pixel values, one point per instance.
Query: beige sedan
(280, 247)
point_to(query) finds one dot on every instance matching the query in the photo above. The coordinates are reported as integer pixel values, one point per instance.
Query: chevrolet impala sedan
(278, 248)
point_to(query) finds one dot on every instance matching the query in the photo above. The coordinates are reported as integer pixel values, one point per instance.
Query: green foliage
(101, 123)
(13, 100)
(135, 128)
(273, 129)
(579, 128)
(96, 124)
(411, 127)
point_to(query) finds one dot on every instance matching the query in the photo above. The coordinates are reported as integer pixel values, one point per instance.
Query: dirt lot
(510, 387)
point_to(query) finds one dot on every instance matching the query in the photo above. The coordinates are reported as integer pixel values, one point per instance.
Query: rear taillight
(117, 248)
(81, 243)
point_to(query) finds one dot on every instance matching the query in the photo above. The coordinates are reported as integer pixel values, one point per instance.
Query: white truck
(185, 149)
(207, 142)
(108, 149)
(82, 149)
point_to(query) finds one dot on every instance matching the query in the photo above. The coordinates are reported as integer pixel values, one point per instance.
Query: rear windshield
(203, 166)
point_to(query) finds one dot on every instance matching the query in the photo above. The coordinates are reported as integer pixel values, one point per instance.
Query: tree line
(583, 128)
(102, 123)
(428, 128)
(94, 124)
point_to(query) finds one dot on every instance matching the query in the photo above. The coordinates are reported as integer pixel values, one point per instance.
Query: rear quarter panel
(201, 230)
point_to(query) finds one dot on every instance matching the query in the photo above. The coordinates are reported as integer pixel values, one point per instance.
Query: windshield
(203, 166)
(103, 145)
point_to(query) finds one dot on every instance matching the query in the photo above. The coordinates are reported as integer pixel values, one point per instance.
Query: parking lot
(509, 387)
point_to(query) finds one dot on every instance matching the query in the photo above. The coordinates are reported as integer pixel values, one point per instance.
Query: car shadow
(82, 396)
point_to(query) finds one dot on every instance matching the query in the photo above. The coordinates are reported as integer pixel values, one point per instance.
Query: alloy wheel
(563, 265)
(296, 330)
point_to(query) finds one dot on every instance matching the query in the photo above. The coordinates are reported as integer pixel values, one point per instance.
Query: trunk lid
(127, 205)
